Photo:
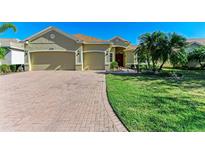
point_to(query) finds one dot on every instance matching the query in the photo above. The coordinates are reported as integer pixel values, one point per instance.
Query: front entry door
(119, 59)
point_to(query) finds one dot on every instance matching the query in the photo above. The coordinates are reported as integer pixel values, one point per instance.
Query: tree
(159, 47)
(173, 49)
(4, 27)
(2, 53)
(198, 54)
(143, 55)
(150, 42)
(178, 57)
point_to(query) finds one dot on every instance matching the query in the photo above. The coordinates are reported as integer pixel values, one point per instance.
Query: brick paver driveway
(55, 101)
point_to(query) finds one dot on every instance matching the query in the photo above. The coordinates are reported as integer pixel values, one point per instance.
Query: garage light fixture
(106, 53)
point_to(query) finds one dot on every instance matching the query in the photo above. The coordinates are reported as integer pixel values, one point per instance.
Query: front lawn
(153, 103)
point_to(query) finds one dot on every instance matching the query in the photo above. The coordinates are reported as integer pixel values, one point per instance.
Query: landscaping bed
(6, 69)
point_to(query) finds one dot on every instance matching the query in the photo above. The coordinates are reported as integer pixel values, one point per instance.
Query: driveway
(56, 101)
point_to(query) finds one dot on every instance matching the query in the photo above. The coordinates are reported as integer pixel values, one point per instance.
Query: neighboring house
(52, 49)
(192, 44)
(15, 52)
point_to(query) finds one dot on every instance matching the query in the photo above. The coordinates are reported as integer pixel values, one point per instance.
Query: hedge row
(9, 68)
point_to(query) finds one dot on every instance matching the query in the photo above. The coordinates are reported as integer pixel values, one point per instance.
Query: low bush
(143, 66)
(114, 65)
(13, 68)
(5, 69)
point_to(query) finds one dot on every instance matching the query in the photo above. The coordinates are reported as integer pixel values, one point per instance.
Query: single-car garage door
(52, 60)
(94, 61)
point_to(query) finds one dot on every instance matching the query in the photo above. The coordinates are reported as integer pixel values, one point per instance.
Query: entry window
(111, 57)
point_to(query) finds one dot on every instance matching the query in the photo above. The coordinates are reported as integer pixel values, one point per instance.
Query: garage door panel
(53, 61)
(94, 61)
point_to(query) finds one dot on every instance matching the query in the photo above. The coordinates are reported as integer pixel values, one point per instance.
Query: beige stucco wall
(129, 58)
(78, 67)
(60, 42)
(107, 67)
(52, 60)
(94, 61)
(95, 47)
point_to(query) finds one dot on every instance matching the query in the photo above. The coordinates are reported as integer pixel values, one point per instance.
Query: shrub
(5, 68)
(13, 68)
(113, 65)
(179, 59)
(143, 66)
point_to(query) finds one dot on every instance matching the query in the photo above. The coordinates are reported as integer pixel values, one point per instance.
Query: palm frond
(7, 26)
(3, 52)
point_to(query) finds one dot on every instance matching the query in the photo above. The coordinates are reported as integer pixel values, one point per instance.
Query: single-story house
(195, 43)
(14, 51)
(192, 44)
(53, 49)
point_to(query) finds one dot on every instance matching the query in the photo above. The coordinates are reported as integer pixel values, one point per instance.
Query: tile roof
(5, 42)
(131, 47)
(197, 40)
(11, 43)
(89, 39)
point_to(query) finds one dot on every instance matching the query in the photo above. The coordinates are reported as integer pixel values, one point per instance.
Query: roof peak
(119, 37)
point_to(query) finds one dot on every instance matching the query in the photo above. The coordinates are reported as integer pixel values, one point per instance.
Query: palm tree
(159, 46)
(152, 43)
(143, 54)
(2, 53)
(172, 44)
(4, 27)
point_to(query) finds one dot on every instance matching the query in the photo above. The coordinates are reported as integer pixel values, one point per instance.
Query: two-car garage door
(52, 60)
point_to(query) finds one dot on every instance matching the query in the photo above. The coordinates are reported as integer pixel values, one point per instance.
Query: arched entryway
(120, 56)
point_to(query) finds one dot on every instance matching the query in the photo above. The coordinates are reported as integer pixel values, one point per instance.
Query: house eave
(118, 46)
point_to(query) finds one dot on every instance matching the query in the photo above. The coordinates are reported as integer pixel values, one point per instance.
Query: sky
(107, 30)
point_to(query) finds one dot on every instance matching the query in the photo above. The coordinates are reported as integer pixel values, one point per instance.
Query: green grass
(153, 103)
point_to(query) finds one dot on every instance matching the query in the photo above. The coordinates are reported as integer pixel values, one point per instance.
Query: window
(111, 56)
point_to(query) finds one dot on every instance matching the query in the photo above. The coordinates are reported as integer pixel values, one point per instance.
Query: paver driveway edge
(118, 124)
